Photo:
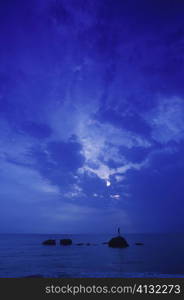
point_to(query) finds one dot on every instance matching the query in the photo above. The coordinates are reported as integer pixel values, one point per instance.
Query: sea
(23, 255)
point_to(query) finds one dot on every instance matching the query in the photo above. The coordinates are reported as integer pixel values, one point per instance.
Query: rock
(34, 276)
(139, 244)
(118, 242)
(87, 244)
(66, 242)
(104, 243)
(80, 244)
(49, 243)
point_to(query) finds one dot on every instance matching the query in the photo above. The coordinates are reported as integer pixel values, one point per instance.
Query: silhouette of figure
(118, 231)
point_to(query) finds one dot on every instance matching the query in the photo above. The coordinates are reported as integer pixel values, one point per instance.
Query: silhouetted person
(118, 231)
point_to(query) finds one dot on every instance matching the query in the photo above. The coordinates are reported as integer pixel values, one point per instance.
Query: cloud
(104, 172)
(167, 120)
(101, 147)
(116, 196)
(22, 185)
(75, 192)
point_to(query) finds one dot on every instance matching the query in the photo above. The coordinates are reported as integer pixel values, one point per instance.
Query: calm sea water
(24, 255)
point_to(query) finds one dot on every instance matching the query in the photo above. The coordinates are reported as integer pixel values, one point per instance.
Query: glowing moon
(108, 183)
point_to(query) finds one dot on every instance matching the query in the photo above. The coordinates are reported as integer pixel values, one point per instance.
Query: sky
(91, 116)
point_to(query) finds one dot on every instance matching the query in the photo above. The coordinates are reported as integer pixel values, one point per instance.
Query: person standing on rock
(118, 231)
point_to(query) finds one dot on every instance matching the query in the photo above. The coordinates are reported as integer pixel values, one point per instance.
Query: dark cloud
(37, 130)
(131, 122)
(59, 162)
(67, 155)
(136, 154)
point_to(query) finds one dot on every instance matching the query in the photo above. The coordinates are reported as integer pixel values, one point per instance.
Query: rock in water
(118, 242)
(66, 242)
(34, 276)
(139, 244)
(49, 243)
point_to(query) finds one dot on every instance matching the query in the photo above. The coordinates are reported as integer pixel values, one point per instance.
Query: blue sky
(91, 116)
